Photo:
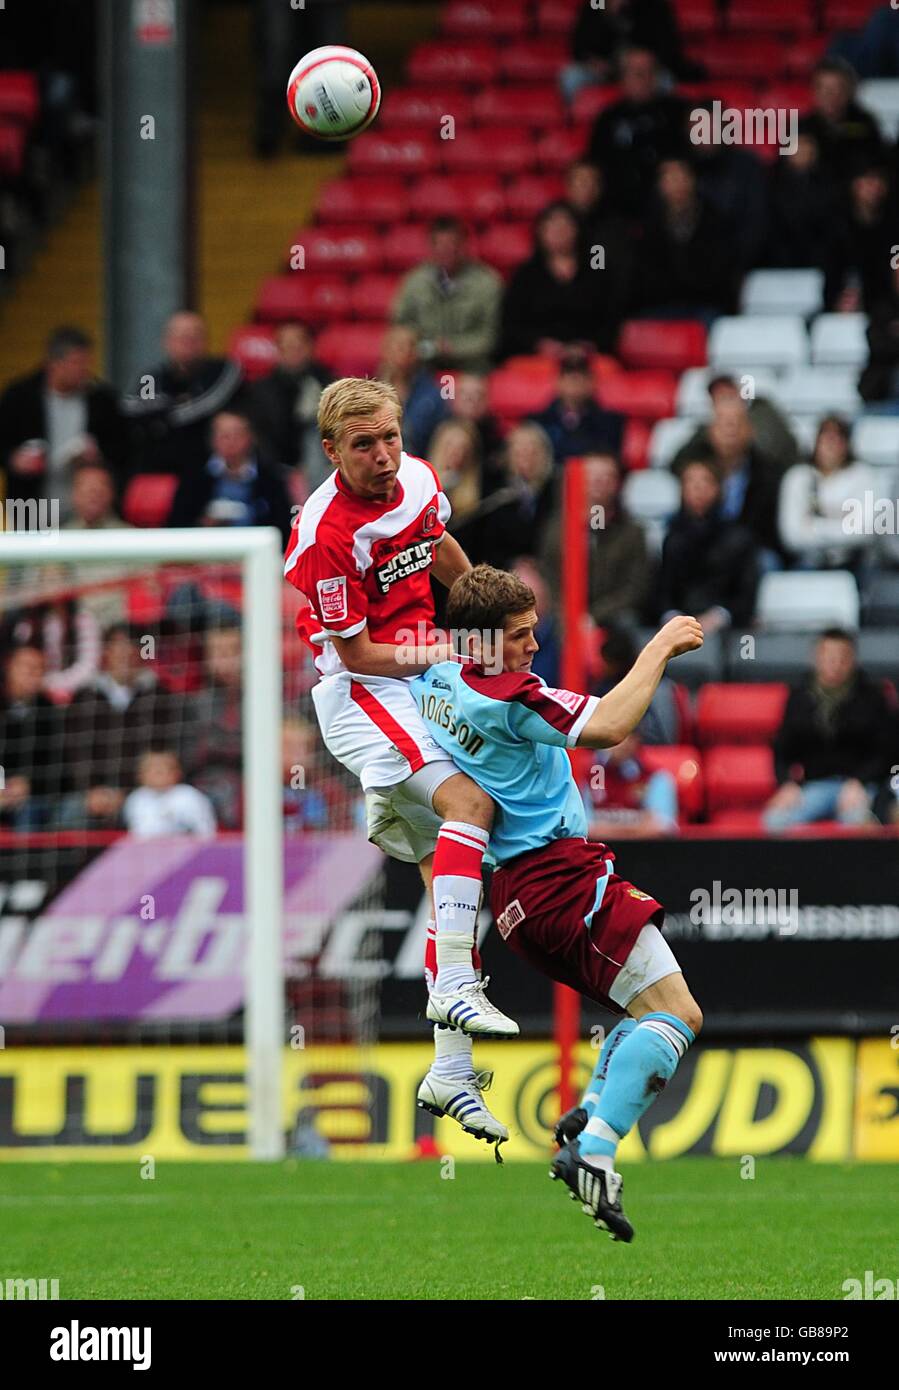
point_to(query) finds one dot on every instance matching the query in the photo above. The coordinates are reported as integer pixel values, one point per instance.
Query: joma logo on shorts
(510, 919)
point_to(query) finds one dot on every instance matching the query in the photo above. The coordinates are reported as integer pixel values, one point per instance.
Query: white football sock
(452, 1053)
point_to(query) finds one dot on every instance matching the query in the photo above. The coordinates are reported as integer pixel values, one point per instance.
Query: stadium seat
(880, 96)
(805, 431)
(393, 152)
(148, 499)
(652, 497)
(807, 601)
(647, 394)
(675, 344)
(737, 823)
(739, 712)
(510, 150)
(819, 390)
(534, 60)
(419, 110)
(768, 656)
(878, 653)
(483, 19)
(20, 97)
(875, 439)
(840, 340)
(405, 245)
(635, 444)
(742, 56)
(338, 249)
(372, 296)
(523, 105)
(685, 766)
(436, 61)
(667, 437)
(590, 101)
(472, 197)
(350, 349)
(513, 393)
(557, 16)
(782, 291)
(742, 343)
(505, 245)
(315, 299)
(561, 146)
(881, 602)
(694, 668)
(738, 778)
(528, 195)
(360, 198)
(696, 16)
(786, 96)
(693, 397)
(13, 143)
(801, 55)
(253, 347)
(770, 17)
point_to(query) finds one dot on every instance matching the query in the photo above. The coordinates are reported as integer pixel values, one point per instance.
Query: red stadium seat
(253, 347)
(20, 97)
(685, 766)
(647, 394)
(742, 57)
(338, 249)
(696, 16)
(591, 100)
(529, 195)
(148, 499)
(739, 712)
(534, 60)
(313, 298)
(505, 245)
(561, 146)
(361, 198)
(405, 245)
(635, 444)
(675, 344)
(802, 55)
(13, 139)
(393, 152)
(738, 822)
(786, 95)
(513, 394)
(738, 779)
(534, 365)
(729, 93)
(557, 16)
(472, 197)
(770, 17)
(508, 151)
(524, 105)
(484, 19)
(846, 14)
(450, 61)
(372, 296)
(419, 110)
(350, 349)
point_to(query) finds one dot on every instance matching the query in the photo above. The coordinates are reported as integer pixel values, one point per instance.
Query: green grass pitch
(402, 1231)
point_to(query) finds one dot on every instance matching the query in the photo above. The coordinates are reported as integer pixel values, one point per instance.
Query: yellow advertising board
(828, 1099)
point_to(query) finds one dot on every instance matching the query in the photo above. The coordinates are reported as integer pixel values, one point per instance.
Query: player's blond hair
(353, 396)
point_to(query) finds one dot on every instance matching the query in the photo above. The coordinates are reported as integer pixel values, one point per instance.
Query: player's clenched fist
(680, 634)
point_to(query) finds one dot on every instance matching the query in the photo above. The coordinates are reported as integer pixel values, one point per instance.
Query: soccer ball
(333, 93)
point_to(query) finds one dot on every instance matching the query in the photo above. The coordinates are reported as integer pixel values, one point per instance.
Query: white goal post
(258, 551)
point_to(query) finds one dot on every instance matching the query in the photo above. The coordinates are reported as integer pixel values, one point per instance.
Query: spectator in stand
(770, 430)
(510, 522)
(687, 265)
(455, 453)
(314, 799)
(603, 33)
(54, 413)
(424, 405)
(93, 498)
(879, 382)
(562, 297)
(632, 135)
(33, 751)
(108, 725)
(834, 744)
(64, 627)
(861, 245)
(618, 582)
(471, 401)
(451, 302)
(734, 184)
(848, 136)
(601, 227)
(175, 401)
(576, 425)
(661, 722)
(623, 800)
(235, 486)
(162, 803)
(709, 563)
(812, 505)
(749, 479)
(546, 663)
(802, 201)
(210, 749)
(283, 406)
(875, 51)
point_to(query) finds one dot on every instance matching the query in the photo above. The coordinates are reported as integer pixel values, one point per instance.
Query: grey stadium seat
(743, 343)
(768, 656)
(694, 668)
(807, 601)
(783, 292)
(840, 340)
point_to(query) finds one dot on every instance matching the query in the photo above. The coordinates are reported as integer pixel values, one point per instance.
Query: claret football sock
(600, 1071)
(639, 1068)
(452, 1053)
(457, 895)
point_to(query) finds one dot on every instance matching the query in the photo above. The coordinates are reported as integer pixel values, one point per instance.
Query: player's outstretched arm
(619, 712)
(449, 561)
(364, 657)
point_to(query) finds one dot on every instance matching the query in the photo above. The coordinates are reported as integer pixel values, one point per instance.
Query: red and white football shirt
(361, 562)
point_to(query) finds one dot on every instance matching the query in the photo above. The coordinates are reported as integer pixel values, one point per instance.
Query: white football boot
(468, 1009)
(463, 1101)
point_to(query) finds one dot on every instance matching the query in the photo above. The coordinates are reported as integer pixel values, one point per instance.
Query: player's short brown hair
(482, 599)
(353, 395)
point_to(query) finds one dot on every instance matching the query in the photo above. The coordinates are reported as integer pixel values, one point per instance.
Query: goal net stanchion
(566, 1002)
(257, 553)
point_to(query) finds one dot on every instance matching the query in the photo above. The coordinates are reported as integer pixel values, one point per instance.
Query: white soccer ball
(333, 93)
